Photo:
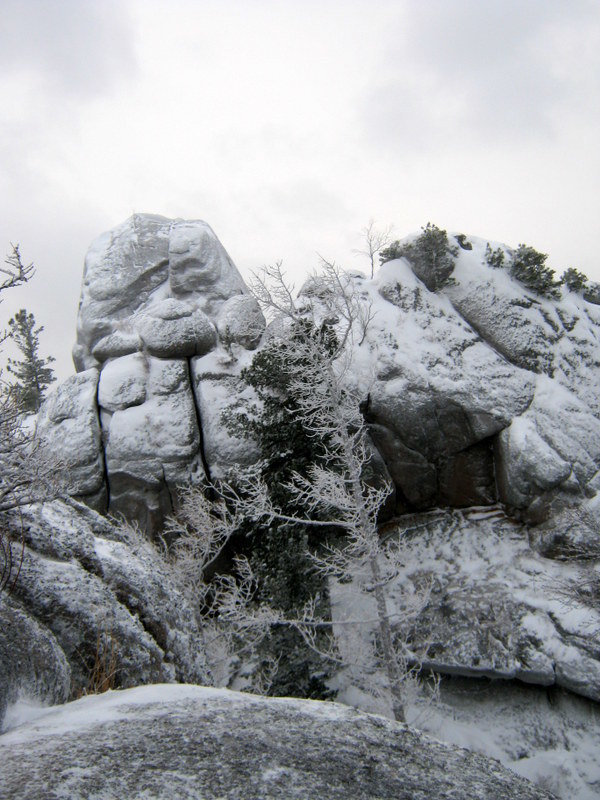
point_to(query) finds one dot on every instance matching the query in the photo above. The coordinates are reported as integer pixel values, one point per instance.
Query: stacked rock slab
(156, 294)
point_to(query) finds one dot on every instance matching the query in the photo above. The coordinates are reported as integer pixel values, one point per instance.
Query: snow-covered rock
(156, 293)
(153, 442)
(69, 429)
(89, 594)
(437, 393)
(496, 607)
(220, 393)
(481, 388)
(188, 741)
(33, 667)
(476, 389)
(172, 328)
(241, 321)
(131, 270)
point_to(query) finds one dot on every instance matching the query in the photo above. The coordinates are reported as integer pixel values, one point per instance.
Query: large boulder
(133, 269)
(156, 294)
(437, 394)
(188, 741)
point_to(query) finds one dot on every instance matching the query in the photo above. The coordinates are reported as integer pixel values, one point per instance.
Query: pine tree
(529, 267)
(32, 374)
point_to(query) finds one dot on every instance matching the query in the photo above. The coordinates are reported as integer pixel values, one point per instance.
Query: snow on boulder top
(148, 263)
(168, 741)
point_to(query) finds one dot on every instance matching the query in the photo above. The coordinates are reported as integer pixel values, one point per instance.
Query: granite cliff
(481, 398)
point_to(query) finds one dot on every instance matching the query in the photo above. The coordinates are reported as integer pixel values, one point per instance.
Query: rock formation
(482, 391)
(187, 741)
(157, 295)
(88, 598)
(479, 395)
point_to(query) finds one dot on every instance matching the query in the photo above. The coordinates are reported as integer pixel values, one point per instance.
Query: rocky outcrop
(494, 607)
(69, 429)
(476, 389)
(483, 390)
(33, 667)
(90, 597)
(195, 742)
(157, 294)
(156, 278)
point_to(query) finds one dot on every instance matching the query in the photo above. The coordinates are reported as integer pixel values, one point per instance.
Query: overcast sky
(287, 125)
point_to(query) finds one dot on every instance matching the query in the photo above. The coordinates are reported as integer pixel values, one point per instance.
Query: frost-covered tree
(374, 241)
(575, 280)
(31, 374)
(26, 473)
(317, 333)
(494, 258)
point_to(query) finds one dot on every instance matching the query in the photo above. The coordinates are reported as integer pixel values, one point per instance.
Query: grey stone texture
(196, 743)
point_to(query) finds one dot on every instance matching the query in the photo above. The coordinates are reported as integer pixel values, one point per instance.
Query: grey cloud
(77, 46)
(476, 71)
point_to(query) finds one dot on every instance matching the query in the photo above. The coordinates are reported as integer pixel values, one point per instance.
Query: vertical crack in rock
(199, 423)
(168, 488)
(103, 438)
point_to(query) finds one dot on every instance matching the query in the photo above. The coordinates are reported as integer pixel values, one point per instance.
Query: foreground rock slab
(191, 742)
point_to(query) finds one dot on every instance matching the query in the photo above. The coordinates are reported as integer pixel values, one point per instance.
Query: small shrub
(528, 266)
(103, 673)
(574, 280)
(431, 255)
(463, 242)
(494, 258)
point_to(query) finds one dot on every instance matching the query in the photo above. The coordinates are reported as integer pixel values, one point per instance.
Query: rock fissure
(103, 440)
(205, 464)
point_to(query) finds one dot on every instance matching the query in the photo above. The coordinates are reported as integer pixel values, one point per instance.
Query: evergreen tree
(529, 267)
(32, 374)
(575, 280)
(431, 255)
(279, 552)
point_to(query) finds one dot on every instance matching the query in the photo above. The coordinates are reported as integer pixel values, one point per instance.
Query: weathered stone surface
(123, 382)
(221, 394)
(438, 392)
(494, 610)
(409, 469)
(556, 443)
(89, 593)
(32, 665)
(171, 328)
(132, 268)
(193, 742)
(199, 266)
(468, 478)
(240, 321)
(116, 344)
(154, 446)
(69, 429)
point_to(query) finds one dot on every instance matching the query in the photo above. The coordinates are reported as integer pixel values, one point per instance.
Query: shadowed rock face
(190, 742)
